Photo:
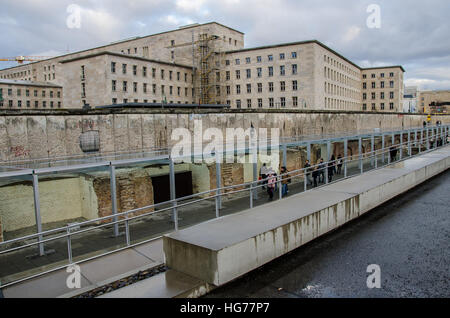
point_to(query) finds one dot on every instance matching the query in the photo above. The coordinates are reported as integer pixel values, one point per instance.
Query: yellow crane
(22, 59)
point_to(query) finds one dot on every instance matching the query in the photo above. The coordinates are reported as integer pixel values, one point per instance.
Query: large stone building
(208, 64)
(20, 94)
(432, 102)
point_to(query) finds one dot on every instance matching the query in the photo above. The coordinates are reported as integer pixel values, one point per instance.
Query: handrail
(217, 193)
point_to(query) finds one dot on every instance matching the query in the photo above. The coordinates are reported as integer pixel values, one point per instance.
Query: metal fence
(430, 138)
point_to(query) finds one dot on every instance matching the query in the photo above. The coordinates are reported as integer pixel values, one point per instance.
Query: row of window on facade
(125, 101)
(339, 77)
(339, 65)
(271, 102)
(144, 71)
(16, 74)
(259, 72)
(10, 92)
(145, 88)
(382, 95)
(248, 60)
(36, 104)
(339, 104)
(391, 74)
(382, 106)
(333, 89)
(260, 87)
(374, 85)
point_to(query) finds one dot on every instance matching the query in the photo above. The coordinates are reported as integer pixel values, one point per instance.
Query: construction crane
(22, 59)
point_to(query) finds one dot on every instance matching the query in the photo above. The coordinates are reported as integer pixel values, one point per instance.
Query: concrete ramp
(224, 249)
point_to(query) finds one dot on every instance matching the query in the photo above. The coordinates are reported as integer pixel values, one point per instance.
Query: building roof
(309, 42)
(121, 55)
(124, 41)
(28, 83)
(381, 67)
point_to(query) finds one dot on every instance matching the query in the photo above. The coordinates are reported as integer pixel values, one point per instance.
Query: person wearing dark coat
(331, 168)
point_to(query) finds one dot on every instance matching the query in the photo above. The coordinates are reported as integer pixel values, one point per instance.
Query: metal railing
(427, 143)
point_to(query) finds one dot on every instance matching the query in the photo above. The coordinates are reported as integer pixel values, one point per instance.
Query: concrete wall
(49, 136)
(208, 251)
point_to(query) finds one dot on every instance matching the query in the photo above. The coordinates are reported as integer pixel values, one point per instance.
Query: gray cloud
(413, 33)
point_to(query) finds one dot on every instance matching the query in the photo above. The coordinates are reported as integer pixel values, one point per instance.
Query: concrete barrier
(224, 249)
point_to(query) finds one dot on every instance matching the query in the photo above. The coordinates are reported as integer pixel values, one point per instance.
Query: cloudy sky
(412, 33)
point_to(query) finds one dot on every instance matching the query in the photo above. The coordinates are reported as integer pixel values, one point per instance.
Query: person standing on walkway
(331, 168)
(263, 174)
(315, 173)
(307, 170)
(393, 153)
(321, 168)
(339, 164)
(271, 185)
(285, 180)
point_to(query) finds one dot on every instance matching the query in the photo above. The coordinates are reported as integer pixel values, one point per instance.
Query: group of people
(314, 175)
(269, 177)
(317, 172)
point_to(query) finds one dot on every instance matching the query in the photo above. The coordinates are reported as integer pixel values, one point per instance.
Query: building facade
(16, 94)
(208, 64)
(434, 102)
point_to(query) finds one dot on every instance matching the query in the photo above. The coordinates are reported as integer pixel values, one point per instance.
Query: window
(382, 75)
(35, 93)
(364, 106)
(382, 84)
(391, 74)
(364, 96)
(114, 101)
(249, 103)
(162, 89)
(391, 84)
(113, 67)
(28, 103)
(27, 93)
(162, 74)
(249, 73)
(294, 55)
(44, 104)
(144, 87)
(373, 96)
(259, 87)
(43, 93)
(144, 71)
(270, 57)
(170, 90)
(247, 60)
(260, 103)
(270, 71)
(364, 76)
(283, 86)
(294, 69)
(124, 68)
(382, 95)
(271, 102)
(124, 86)
(154, 88)
(373, 106)
(391, 106)
(259, 72)
(113, 86)
(238, 89)
(185, 77)
(228, 90)
(283, 101)
(373, 85)
(238, 103)
(270, 86)
(281, 56)
(258, 59)
(249, 88)
(170, 75)
(238, 74)
(282, 70)
(227, 62)
(238, 61)
(59, 104)
(227, 75)
(391, 95)
(9, 91)
(373, 75)
(19, 103)
(36, 104)
(294, 85)
(10, 103)
(153, 72)
(382, 106)
(178, 76)
(364, 85)
(295, 101)
(19, 92)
